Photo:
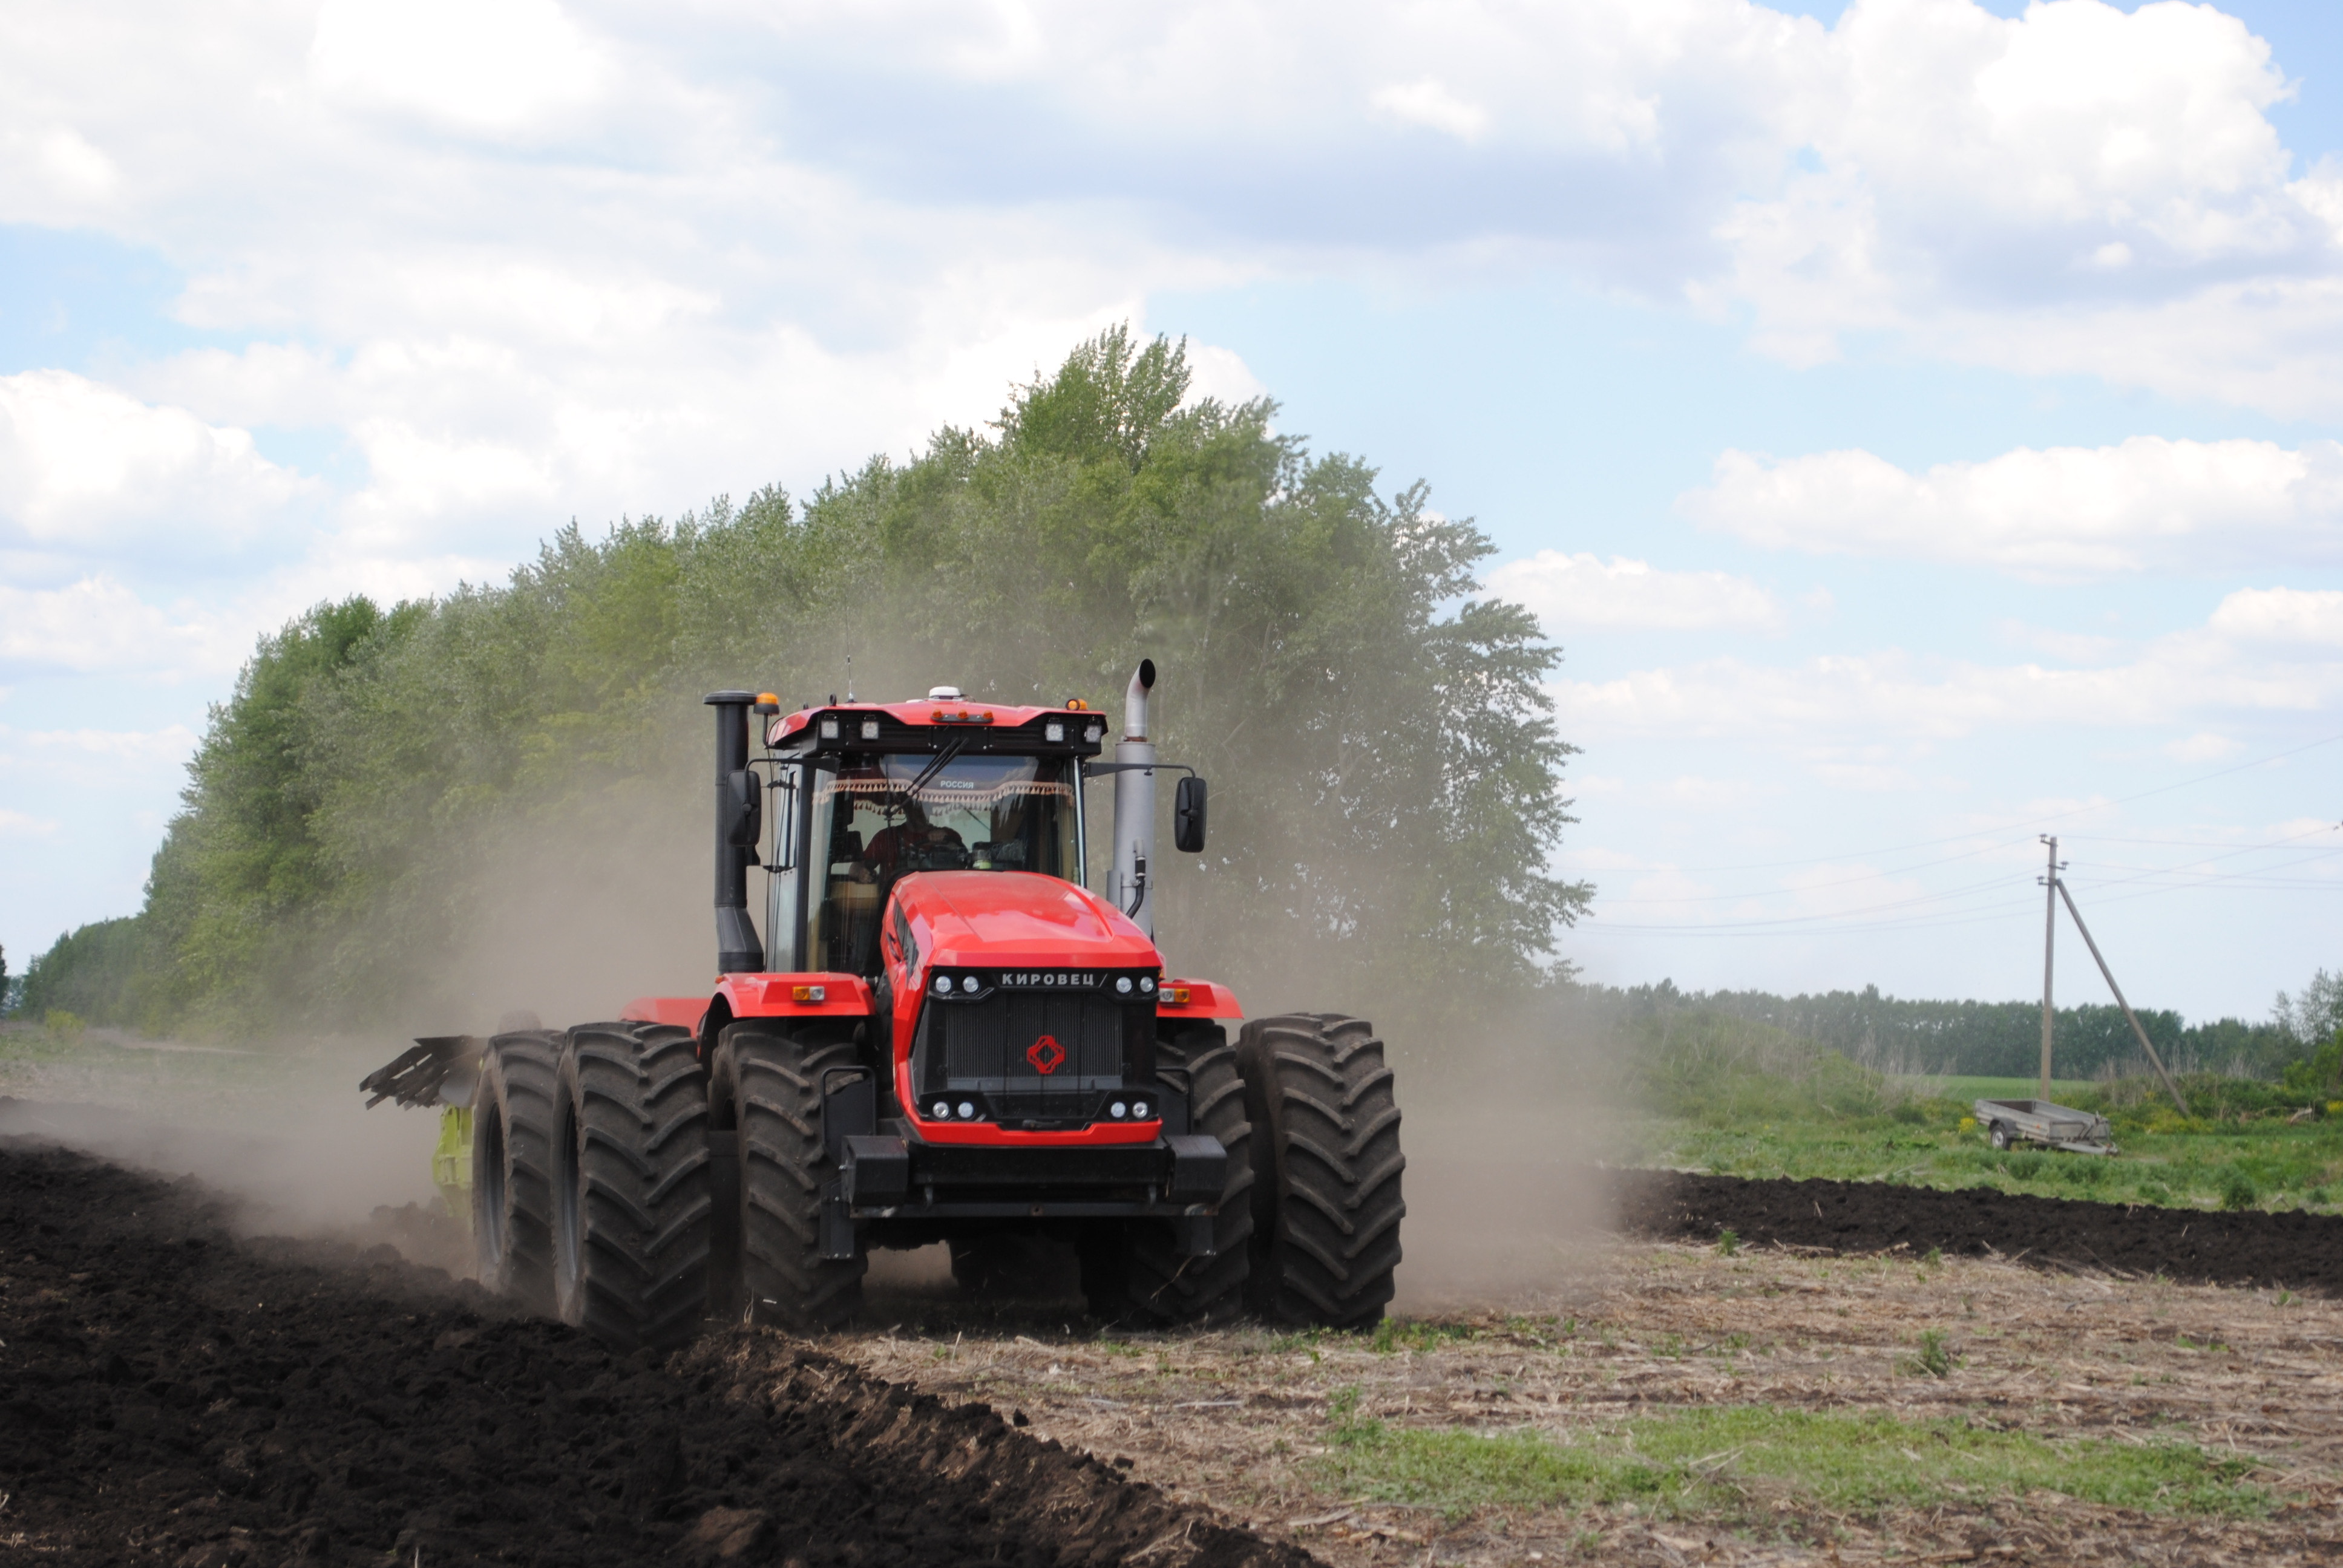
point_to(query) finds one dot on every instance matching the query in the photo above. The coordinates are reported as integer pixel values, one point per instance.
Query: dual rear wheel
(589, 1187)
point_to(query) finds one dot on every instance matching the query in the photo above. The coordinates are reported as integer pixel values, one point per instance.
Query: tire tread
(1327, 1223)
(642, 1184)
(772, 1077)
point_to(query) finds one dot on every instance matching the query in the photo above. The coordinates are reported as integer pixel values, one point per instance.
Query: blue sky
(1917, 421)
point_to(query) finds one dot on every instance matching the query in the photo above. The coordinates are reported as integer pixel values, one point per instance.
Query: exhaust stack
(738, 802)
(1131, 884)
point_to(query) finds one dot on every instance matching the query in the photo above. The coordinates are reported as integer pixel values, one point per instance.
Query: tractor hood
(1017, 917)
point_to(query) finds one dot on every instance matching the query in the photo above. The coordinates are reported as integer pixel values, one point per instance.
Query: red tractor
(944, 1035)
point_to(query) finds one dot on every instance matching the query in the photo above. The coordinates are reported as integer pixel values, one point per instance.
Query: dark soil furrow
(171, 1394)
(2296, 1250)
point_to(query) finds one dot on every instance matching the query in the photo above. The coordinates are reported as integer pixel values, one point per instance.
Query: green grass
(1745, 1099)
(1709, 1461)
(1416, 1334)
(2266, 1164)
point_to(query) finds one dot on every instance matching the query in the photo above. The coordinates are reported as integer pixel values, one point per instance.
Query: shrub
(2238, 1192)
(1932, 1358)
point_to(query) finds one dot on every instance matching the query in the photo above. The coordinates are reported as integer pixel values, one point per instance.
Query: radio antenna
(849, 677)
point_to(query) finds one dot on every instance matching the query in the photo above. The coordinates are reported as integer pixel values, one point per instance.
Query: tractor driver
(912, 843)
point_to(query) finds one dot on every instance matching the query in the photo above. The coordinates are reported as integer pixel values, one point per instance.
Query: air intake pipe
(1131, 883)
(740, 812)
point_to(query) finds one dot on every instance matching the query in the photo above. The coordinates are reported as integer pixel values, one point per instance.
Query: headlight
(967, 1110)
(869, 729)
(1117, 1110)
(1147, 984)
(941, 1109)
(1139, 1108)
(943, 985)
(830, 729)
(1053, 731)
(1095, 733)
(968, 984)
(1123, 985)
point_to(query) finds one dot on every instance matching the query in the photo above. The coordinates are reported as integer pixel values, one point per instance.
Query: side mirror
(1187, 815)
(744, 810)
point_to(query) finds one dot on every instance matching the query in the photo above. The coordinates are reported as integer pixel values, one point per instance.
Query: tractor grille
(998, 1046)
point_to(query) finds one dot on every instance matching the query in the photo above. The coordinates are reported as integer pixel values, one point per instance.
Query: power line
(1842, 882)
(2233, 854)
(1851, 920)
(1834, 914)
(2029, 822)
(1949, 859)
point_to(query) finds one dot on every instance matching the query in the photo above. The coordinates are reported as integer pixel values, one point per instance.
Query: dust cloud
(574, 915)
(1510, 1133)
(302, 1155)
(1509, 1118)
(569, 916)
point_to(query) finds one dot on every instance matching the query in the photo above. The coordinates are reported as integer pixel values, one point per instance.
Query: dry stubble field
(1783, 1361)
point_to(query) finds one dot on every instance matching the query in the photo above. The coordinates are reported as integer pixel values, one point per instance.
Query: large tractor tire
(1135, 1272)
(512, 1166)
(630, 1193)
(1327, 1209)
(766, 1088)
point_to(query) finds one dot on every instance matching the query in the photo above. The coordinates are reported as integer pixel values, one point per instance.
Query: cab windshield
(881, 818)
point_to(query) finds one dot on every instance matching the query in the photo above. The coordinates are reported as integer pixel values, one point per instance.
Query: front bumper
(900, 1181)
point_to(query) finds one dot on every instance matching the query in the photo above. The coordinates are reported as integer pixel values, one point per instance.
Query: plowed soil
(173, 1391)
(170, 1394)
(2294, 1250)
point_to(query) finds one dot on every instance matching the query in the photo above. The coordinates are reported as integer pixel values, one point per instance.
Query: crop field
(1657, 1401)
(1694, 1368)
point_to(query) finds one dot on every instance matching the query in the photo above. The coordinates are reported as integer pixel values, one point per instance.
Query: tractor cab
(868, 794)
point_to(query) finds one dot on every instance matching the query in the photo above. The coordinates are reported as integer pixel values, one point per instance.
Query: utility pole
(2049, 943)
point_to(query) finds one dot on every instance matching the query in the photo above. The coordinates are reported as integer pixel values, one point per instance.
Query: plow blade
(437, 1069)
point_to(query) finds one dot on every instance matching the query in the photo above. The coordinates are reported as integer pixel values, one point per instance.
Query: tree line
(2002, 1039)
(520, 769)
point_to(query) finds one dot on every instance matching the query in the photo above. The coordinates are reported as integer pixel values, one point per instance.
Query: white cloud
(88, 469)
(58, 173)
(481, 65)
(80, 760)
(2184, 678)
(1569, 592)
(98, 624)
(851, 192)
(1979, 183)
(2079, 188)
(1222, 373)
(2203, 747)
(2282, 615)
(1430, 104)
(18, 824)
(2149, 503)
